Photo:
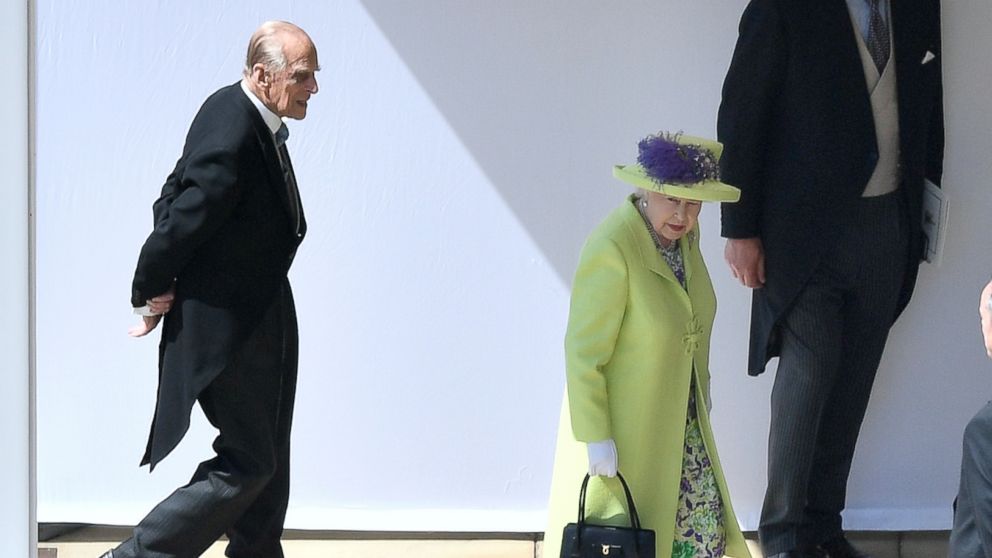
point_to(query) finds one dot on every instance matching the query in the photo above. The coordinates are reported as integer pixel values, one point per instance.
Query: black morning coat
(223, 233)
(796, 122)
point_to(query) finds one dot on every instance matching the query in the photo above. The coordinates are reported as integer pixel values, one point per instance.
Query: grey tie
(878, 36)
(292, 193)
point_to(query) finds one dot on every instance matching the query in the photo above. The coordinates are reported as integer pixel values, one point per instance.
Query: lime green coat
(634, 339)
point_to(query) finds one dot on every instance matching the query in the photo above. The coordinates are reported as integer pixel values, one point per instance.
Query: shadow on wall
(548, 96)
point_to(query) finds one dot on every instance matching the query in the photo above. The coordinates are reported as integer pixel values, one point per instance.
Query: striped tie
(878, 37)
(292, 193)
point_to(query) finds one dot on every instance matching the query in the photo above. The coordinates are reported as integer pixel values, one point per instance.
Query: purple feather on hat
(664, 159)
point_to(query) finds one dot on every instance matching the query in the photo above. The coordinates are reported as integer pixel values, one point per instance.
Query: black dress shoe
(840, 547)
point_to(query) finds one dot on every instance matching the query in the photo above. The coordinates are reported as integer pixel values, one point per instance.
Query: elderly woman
(637, 348)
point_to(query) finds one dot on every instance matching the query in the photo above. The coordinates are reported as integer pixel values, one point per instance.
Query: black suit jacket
(799, 138)
(223, 233)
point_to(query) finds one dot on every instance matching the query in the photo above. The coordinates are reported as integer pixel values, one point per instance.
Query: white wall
(452, 164)
(17, 512)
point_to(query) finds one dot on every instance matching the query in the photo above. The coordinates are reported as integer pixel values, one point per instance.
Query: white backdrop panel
(453, 162)
(18, 535)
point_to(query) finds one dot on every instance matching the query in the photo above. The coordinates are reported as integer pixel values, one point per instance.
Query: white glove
(602, 458)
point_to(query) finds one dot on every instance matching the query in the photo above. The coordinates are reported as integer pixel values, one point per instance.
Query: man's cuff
(738, 233)
(144, 311)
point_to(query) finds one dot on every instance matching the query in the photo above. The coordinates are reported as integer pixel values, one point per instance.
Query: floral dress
(699, 530)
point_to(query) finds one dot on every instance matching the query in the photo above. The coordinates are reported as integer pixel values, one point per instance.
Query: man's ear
(260, 76)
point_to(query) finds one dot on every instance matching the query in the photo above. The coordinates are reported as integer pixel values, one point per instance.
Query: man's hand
(746, 258)
(162, 303)
(158, 305)
(986, 314)
(148, 323)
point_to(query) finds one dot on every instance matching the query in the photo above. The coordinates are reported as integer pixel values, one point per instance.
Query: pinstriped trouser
(243, 491)
(832, 342)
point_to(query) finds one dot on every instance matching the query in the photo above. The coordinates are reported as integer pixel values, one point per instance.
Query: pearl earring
(644, 204)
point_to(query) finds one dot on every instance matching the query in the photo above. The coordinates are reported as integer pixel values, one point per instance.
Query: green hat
(679, 166)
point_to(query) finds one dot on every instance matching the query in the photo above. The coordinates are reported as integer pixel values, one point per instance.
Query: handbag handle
(635, 520)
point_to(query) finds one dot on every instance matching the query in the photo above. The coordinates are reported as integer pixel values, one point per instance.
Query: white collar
(271, 119)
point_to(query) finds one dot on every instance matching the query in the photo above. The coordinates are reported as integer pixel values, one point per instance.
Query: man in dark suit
(227, 226)
(972, 533)
(831, 119)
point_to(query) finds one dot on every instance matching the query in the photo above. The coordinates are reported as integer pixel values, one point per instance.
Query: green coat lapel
(648, 252)
(641, 239)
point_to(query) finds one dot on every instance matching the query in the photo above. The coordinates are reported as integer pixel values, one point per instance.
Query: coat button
(691, 337)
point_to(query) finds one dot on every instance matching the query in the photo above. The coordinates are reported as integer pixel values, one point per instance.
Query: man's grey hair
(265, 47)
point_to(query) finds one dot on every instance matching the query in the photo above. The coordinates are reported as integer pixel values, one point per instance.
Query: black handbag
(586, 540)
